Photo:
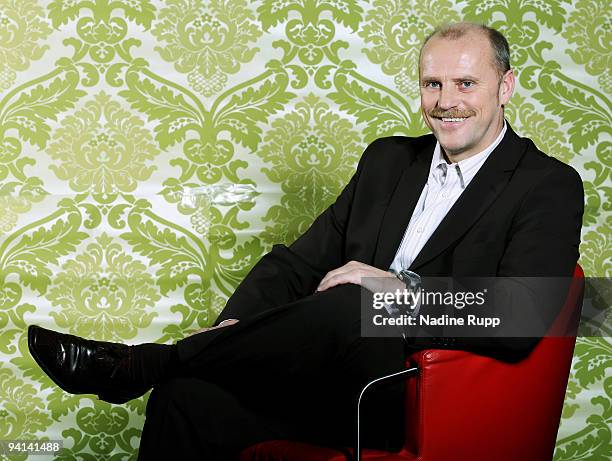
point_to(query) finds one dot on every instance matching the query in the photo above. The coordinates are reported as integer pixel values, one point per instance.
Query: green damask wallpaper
(151, 151)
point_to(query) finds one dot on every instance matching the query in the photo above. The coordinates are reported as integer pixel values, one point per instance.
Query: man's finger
(325, 280)
(339, 279)
(224, 323)
(354, 270)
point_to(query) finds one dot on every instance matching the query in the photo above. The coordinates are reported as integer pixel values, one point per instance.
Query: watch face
(411, 279)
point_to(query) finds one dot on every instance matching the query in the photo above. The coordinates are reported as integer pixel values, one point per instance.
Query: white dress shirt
(445, 183)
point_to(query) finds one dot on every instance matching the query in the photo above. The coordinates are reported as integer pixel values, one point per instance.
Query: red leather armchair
(462, 406)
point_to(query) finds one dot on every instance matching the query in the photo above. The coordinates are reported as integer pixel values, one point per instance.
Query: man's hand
(360, 274)
(225, 323)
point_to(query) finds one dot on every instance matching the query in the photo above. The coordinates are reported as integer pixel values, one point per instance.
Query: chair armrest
(466, 406)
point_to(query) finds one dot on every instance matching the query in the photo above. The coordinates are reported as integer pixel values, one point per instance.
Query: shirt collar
(466, 168)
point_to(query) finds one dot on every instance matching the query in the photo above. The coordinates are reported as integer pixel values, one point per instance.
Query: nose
(449, 97)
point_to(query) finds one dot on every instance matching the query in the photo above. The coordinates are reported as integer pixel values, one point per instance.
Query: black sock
(152, 363)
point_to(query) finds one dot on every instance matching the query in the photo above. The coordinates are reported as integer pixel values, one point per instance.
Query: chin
(452, 152)
(453, 148)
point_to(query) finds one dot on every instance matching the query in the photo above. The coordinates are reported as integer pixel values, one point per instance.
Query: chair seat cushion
(286, 450)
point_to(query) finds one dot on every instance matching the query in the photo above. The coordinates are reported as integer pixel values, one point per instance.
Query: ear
(506, 87)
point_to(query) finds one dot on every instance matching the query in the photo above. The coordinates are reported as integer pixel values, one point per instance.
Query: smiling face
(461, 93)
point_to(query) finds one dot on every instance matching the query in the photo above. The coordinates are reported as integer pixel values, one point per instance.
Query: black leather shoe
(82, 366)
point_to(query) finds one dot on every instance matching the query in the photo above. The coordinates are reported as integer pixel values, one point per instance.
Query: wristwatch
(412, 280)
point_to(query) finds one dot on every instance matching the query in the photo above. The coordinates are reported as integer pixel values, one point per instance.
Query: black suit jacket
(519, 216)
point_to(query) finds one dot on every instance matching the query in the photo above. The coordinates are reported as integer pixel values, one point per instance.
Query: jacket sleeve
(286, 274)
(545, 235)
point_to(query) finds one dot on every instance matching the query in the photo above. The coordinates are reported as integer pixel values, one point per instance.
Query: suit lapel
(400, 208)
(476, 198)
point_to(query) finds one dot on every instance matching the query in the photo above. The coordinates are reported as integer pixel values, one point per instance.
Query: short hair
(456, 30)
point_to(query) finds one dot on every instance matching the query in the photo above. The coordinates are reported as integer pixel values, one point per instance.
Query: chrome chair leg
(404, 373)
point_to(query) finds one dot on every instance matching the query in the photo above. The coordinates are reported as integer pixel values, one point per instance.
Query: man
(286, 358)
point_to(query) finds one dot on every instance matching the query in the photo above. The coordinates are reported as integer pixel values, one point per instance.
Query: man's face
(461, 93)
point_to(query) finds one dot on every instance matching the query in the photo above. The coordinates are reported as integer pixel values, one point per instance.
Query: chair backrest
(469, 407)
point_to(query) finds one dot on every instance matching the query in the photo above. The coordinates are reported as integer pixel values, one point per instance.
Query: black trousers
(291, 372)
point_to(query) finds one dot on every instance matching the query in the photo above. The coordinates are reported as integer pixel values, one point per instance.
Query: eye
(434, 85)
(467, 84)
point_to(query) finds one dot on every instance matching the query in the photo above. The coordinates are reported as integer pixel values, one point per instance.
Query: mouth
(453, 119)
(451, 122)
